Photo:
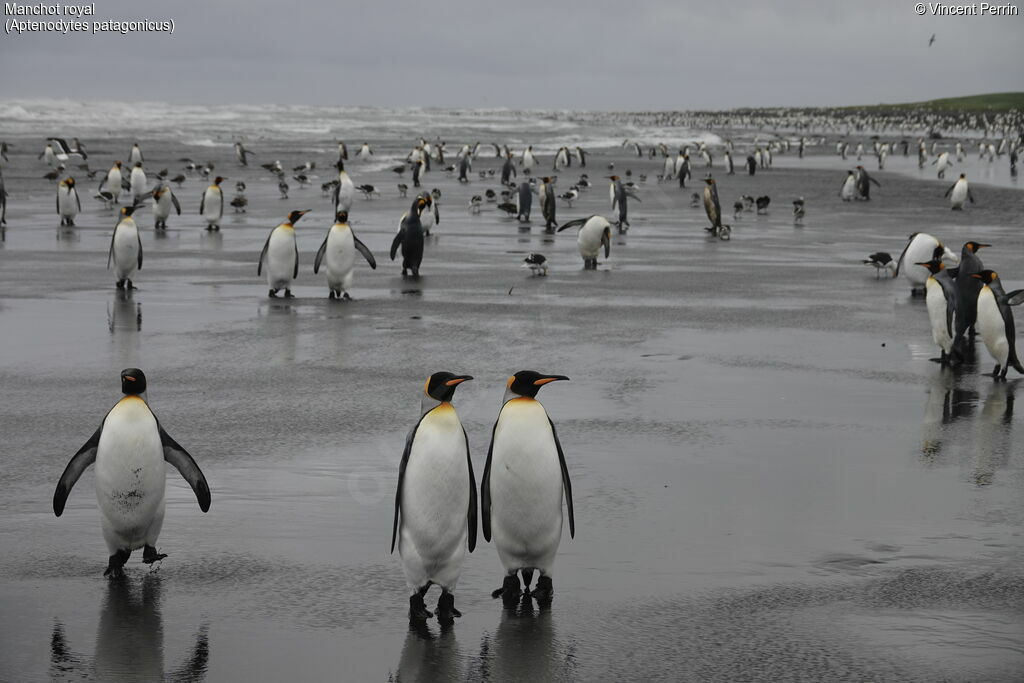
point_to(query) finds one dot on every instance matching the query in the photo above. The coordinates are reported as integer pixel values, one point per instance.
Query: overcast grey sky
(588, 54)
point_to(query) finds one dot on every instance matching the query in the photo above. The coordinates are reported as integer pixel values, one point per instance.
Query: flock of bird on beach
(525, 483)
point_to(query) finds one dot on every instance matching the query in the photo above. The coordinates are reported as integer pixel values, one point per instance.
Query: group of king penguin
(963, 298)
(524, 485)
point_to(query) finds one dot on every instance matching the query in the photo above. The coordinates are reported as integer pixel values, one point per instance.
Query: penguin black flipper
(56, 202)
(607, 242)
(1015, 298)
(139, 237)
(399, 237)
(566, 484)
(78, 200)
(183, 462)
(950, 189)
(174, 200)
(221, 195)
(630, 193)
(295, 243)
(263, 255)
(472, 496)
(401, 478)
(485, 489)
(365, 251)
(202, 200)
(578, 223)
(85, 456)
(320, 255)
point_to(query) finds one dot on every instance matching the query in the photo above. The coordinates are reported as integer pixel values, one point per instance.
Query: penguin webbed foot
(115, 565)
(417, 609)
(544, 592)
(509, 592)
(288, 294)
(150, 555)
(445, 610)
(273, 294)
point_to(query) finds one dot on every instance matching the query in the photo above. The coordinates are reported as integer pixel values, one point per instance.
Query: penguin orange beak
(545, 380)
(456, 381)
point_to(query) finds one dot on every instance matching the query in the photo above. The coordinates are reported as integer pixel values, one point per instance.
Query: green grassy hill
(994, 102)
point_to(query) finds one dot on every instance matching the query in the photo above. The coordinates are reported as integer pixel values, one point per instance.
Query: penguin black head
(709, 181)
(117, 164)
(963, 176)
(218, 180)
(441, 385)
(128, 210)
(973, 247)
(133, 381)
(70, 182)
(527, 382)
(341, 217)
(986, 276)
(138, 164)
(933, 266)
(296, 215)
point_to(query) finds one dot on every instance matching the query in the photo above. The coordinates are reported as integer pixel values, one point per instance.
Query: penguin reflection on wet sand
(129, 640)
(280, 256)
(524, 483)
(129, 450)
(435, 504)
(995, 322)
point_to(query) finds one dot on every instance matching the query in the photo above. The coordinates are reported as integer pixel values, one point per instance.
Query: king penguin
(713, 208)
(125, 249)
(959, 193)
(68, 203)
(129, 450)
(940, 297)
(281, 254)
(113, 181)
(619, 194)
(524, 483)
(339, 252)
(435, 504)
(344, 191)
(594, 232)
(138, 182)
(211, 206)
(967, 289)
(135, 155)
(524, 202)
(921, 247)
(410, 238)
(163, 200)
(547, 203)
(995, 322)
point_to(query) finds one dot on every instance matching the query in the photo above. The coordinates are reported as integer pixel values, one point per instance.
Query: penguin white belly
(126, 249)
(280, 262)
(846, 194)
(346, 193)
(435, 501)
(919, 251)
(959, 195)
(130, 476)
(611, 194)
(991, 327)
(212, 205)
(936, 301)
(113, 185)
(162, 207)
(138, 183)
(589, 238)
(341, 258)
(670, 167)
(525, 487)
(68, 207)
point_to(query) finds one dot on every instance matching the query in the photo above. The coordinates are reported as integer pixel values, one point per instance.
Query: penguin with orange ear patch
(525, 483)
(435, 504)
(995, 322)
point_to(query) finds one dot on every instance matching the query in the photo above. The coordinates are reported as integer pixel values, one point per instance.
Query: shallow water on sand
(772, 481)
